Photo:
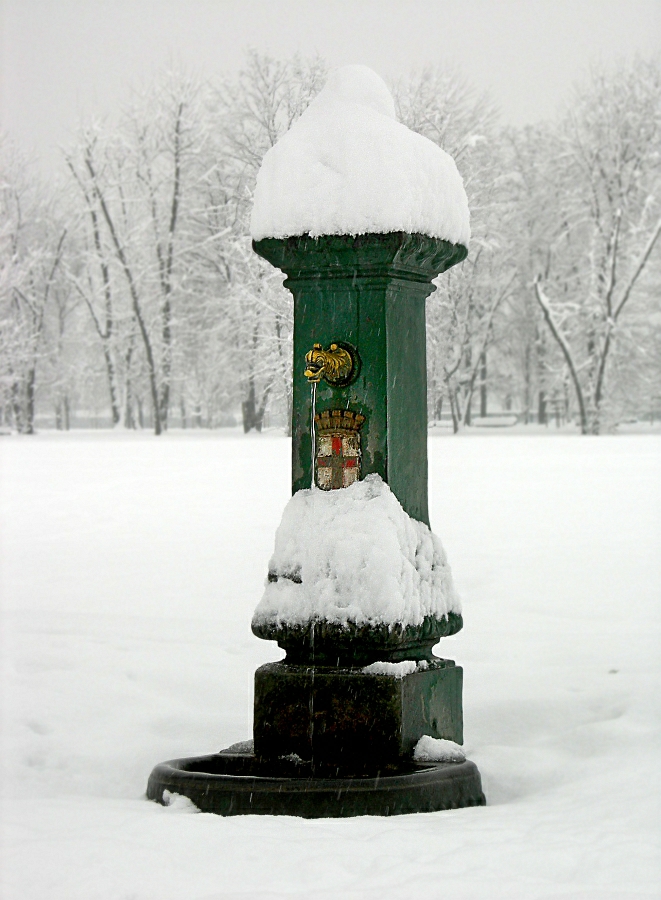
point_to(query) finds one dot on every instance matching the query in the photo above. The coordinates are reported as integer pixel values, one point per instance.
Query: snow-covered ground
(131, 567)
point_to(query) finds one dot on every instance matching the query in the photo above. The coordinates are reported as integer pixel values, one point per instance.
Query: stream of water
(313, 430)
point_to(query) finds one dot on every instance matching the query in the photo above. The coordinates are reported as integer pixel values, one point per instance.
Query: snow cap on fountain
(347, 166)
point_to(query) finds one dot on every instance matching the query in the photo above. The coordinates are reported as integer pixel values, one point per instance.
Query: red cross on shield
(338, 461)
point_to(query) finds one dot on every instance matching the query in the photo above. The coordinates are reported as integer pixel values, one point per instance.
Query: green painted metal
(367, 290)
(320, 643)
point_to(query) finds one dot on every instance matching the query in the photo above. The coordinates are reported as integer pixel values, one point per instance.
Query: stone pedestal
(347, 722)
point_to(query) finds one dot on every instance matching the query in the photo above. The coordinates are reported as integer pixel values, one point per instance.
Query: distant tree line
(128, 289)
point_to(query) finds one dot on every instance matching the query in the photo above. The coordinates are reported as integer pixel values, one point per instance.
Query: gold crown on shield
(338, 421)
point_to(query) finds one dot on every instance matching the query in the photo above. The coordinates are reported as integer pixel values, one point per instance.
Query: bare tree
(33, 242)
(143, 194)
(155, 292)
(256, 109)
(608, 222)
(442, 105)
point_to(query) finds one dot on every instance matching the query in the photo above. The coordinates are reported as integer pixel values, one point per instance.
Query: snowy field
(130, 570)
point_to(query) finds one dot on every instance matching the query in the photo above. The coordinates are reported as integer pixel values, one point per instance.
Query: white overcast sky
(67, 60)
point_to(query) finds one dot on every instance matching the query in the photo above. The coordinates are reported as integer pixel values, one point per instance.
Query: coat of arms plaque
(338, 448)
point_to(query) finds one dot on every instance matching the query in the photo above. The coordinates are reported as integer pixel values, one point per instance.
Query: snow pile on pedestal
(394, 670)
(429, 749)
(347, 166)
(354, 555)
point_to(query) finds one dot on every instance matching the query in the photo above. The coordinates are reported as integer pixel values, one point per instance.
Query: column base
(346, 722)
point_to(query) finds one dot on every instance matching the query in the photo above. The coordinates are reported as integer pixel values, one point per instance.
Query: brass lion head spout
(337, 366)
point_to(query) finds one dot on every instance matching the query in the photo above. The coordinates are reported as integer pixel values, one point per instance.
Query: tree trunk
(29, 401)
(483, 384)
(253, 416)
(454, 410)
(17, 408)
(248, 409)
(542, 407)
(115, 412)
(135, 299)
(468, 387)
(527, 383)
(566, 352)
(542, 416)
(290, 402)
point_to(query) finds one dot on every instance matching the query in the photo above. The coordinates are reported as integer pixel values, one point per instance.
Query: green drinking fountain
(361, 215)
